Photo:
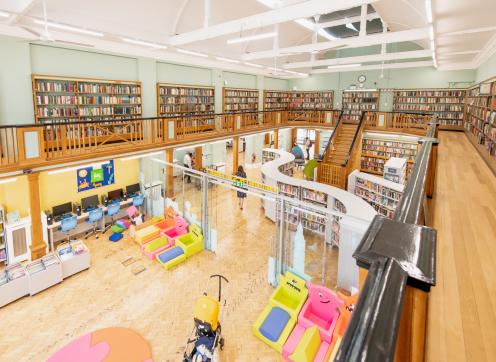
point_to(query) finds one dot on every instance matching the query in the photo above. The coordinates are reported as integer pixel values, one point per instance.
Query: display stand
(74, 256)
(395, 170)
(14, 283)
(383, 195)
(44, 273)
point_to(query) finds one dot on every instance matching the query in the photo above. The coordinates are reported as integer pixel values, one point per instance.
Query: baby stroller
(207, 330)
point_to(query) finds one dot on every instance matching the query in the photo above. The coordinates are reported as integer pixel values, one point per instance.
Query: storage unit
(44, 273)
(3, 240)
(18, 238)
(447, 104)
(74, 256)
(357, 101)
(395, 170)
(176, 100)
(383, 195)
(61, 99)
(14, 283)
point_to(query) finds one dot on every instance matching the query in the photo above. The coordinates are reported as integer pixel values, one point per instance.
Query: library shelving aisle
(60, 99)
(447, 104)
(461, 315)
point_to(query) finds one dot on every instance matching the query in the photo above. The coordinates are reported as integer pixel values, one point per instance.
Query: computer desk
(55, 235)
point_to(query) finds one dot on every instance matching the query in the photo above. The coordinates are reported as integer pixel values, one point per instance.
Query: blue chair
(94, 217)
(112, 210)
(68, 224)
(138, 200)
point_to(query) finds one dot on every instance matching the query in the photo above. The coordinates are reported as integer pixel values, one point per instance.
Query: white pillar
(363, 20)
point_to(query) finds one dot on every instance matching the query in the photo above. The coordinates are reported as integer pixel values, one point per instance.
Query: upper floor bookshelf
(447, 104)
(357, 101)
(174, 99)
(277, 100)
(60, 99)
(239, 99)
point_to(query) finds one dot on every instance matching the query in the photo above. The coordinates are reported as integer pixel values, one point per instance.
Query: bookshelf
(239, 99)
(447, 104)
(383, 195)
(60, 99)
(480, 120)
(177, 100)
(312, 100)
(357, 101)
(378, 148)
(3, 239)
(276, 100)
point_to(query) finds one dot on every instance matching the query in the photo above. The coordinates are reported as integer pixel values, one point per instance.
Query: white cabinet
(18, 236)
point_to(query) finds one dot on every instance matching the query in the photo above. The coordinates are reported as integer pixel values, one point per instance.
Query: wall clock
(362, 78)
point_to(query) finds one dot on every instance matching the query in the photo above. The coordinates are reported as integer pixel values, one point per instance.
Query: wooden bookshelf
(276, 100)
(174, 99)
(378, 149)
(357, 101)
(312, 100)
(447, 104)
(58, 99)
(239, 99)
(480, 120)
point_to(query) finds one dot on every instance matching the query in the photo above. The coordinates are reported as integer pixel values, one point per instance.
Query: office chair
(138, 200)
(68, 224)
(95, 216)
(112, 209)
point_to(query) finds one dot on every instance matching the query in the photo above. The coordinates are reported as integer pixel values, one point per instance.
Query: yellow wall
(59, 188)
(15, 196)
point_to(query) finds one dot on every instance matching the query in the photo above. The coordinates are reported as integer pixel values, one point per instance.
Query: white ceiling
(156, 21)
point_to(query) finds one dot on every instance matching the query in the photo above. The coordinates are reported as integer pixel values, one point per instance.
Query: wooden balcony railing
(29, 146)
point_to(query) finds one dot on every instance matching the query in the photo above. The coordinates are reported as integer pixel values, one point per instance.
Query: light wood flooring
(462, 306)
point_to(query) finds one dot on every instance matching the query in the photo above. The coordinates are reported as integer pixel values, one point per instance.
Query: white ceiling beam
(427, 63)
(353, 42)
(351, 19)
(488, 50)
(17, 8)
(414, 54)
(466, 52)
(276, 16)
(363, 20)
(207, 7)
(468, 31)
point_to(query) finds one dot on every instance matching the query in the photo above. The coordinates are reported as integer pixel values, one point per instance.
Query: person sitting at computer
(297, 152)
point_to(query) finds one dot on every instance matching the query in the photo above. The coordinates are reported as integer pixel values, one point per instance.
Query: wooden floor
(462, 306)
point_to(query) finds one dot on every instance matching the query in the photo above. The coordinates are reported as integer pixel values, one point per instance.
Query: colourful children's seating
(152, 248)
(277, 320)
(186, 246)
(147, 234)
(180, 228)
(321, 311)
(308, 346)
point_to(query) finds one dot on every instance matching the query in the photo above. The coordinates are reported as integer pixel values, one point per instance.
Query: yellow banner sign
(241, 182)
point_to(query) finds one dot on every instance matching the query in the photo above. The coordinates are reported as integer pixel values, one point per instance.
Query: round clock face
(362, 79)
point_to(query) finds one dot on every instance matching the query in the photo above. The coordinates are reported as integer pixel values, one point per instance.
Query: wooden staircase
(341, 144)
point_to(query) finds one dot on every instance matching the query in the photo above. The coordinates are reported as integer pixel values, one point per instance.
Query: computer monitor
(89, 202)
(115, 195)
(62, 209)
(132, 189)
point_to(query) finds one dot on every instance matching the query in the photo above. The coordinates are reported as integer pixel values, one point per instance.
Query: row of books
(481, 101)
(46, 100)
(187, 100)
(55, 86)
(241, 93)
(186, 108)
(186, 91)
(430, 93)
(109, 88)
(423, 100)
(360, 106)
(315, 196)
(429, 108)
(241, 100)
(241, 107)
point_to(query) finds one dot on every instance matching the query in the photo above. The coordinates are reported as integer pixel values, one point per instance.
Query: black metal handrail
(350, 150)
(397, 253)
(321, 157)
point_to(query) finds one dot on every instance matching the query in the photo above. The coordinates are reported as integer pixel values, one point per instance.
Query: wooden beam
(316, 144)
(38, 245)
(198, 158)
(169, 172)
(276, 138)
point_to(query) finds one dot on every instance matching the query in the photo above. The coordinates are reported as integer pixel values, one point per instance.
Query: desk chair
(300, 163)
(95, 216)
(138, 201)
(112, 210)
(68, 224)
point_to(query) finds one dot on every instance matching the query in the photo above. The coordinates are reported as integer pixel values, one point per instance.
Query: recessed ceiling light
(190, 52)
(143, 43)
(245, 39)
(4, 14)
(222, 59)
(253, 65)
(343, 66)
(68, 28)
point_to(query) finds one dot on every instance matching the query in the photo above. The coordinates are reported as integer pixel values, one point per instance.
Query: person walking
(308, 144)
(241, 195)
(188, 163)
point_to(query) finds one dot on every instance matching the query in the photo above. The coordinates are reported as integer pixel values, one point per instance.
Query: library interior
(247, 180)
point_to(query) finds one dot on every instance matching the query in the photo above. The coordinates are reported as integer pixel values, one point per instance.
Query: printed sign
(89, 178)
(241, 182)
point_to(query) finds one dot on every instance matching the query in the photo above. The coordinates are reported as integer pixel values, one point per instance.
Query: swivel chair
(68, 224)
(112, 210)
(95, 216)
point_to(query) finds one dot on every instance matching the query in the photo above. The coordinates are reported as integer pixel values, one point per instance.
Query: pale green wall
(487, 70)
(181, 74)
(276, 84)
(239, 80)
(393, 78)
(147, 74)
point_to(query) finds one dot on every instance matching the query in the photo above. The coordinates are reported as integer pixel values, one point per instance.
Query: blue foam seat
(274, 324)
(115, 237)
(170, 254)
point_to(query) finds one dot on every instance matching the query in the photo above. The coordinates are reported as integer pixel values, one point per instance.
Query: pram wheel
(221, 343)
